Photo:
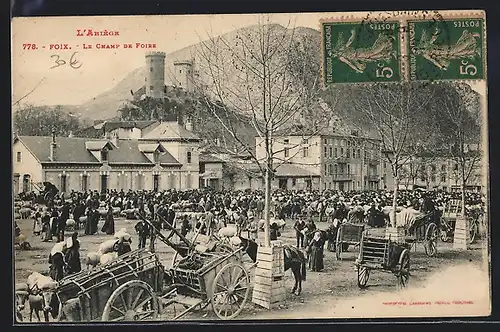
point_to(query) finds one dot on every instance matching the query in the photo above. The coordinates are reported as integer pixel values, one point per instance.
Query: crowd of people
(243, 208)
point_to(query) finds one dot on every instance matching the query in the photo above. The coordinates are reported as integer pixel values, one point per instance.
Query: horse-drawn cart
(424, 230)
(348, 234)
(377, 253)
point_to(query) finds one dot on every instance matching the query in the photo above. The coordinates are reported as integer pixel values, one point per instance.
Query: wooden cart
(196, 279)
(423, 231)
(221, 280)
(384, 255)
(348, 234)
(125, 289)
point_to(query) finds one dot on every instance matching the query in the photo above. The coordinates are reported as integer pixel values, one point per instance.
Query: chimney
(189, 125)
(115, 139)
(53, 146)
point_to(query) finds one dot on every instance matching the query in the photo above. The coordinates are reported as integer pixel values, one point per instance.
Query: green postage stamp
(361, 51)
(395, 46)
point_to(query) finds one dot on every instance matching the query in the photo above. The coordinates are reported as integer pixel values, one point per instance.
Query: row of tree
(30, 120)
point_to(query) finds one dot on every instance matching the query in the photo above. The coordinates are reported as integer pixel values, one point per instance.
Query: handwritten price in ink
(73, 61)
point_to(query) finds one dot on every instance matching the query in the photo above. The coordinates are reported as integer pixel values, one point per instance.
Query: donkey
(293, 257)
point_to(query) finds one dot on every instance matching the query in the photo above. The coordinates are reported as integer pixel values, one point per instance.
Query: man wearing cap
(299, 235)
(253, 228)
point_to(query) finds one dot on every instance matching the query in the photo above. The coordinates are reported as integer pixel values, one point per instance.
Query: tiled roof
(150, 147)
(288, 169)
(73, 150)
(209, 158)
(98, 145)
(169, 130)
(112, 125)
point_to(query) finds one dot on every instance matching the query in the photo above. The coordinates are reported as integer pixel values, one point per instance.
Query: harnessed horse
(293, 257)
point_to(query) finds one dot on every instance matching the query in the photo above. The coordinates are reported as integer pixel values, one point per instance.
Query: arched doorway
(26, 183)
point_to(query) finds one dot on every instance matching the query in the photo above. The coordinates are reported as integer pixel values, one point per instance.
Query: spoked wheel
(403, 273)
(431, 236)
(363, 276)
(230, 291)
(132, 301)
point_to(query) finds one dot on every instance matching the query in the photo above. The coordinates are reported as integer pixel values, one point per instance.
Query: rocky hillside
(105, 105)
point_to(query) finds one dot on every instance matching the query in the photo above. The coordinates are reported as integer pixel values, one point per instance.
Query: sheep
(92, 260)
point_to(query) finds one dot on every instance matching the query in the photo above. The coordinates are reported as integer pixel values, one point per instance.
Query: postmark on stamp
(450, 49)
(356, 52)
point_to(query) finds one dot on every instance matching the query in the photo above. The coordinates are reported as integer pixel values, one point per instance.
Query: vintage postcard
(264, 166)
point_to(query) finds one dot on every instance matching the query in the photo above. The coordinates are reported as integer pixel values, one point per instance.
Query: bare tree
(458, 116)
(396, 112)
(268, 76)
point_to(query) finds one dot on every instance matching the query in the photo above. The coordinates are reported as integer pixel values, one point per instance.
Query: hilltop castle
(182, 76)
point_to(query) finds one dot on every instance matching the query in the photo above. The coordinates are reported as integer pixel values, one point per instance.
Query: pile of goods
(106, 251)
(37, 282)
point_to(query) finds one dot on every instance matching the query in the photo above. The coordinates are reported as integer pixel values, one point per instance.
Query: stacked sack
(228, 231)
(106, 252)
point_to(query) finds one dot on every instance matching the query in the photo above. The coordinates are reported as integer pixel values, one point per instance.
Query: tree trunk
(267, 206)
(395, 200)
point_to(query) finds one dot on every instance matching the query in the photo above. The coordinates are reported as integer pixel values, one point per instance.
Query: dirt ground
(336, 287)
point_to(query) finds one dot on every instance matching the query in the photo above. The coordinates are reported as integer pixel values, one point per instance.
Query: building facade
(88, 164)
(328, 161)
(441, 173)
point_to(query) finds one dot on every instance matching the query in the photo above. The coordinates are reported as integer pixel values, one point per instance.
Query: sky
(101, 69)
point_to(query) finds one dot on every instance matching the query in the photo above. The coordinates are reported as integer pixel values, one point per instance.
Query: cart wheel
(403, 274)
(431, 235)
(338, 246)
(133, 301)
(444, 236)
(363, 276)
(230, 291)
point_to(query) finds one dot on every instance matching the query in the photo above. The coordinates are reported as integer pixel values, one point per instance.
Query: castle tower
(155, 74)
(184, 75)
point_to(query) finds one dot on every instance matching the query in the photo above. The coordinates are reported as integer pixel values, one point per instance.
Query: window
(433, 168)
(85, 182)
(330, 169)
(348, 143)
(64, 183)
(104, 155)
(305, 152)
(359, 153)
(286, 141)
(331, 152)
(348, 169)
(287, 152)
(326, 170)
(180, 71)
(341, 152)
(294, 182)
(325, 141)
(189, 157)
(336, 169)
(325, 151)
(336, 152)
(19, 156)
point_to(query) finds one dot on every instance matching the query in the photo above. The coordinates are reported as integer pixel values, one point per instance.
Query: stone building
(328, 161)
